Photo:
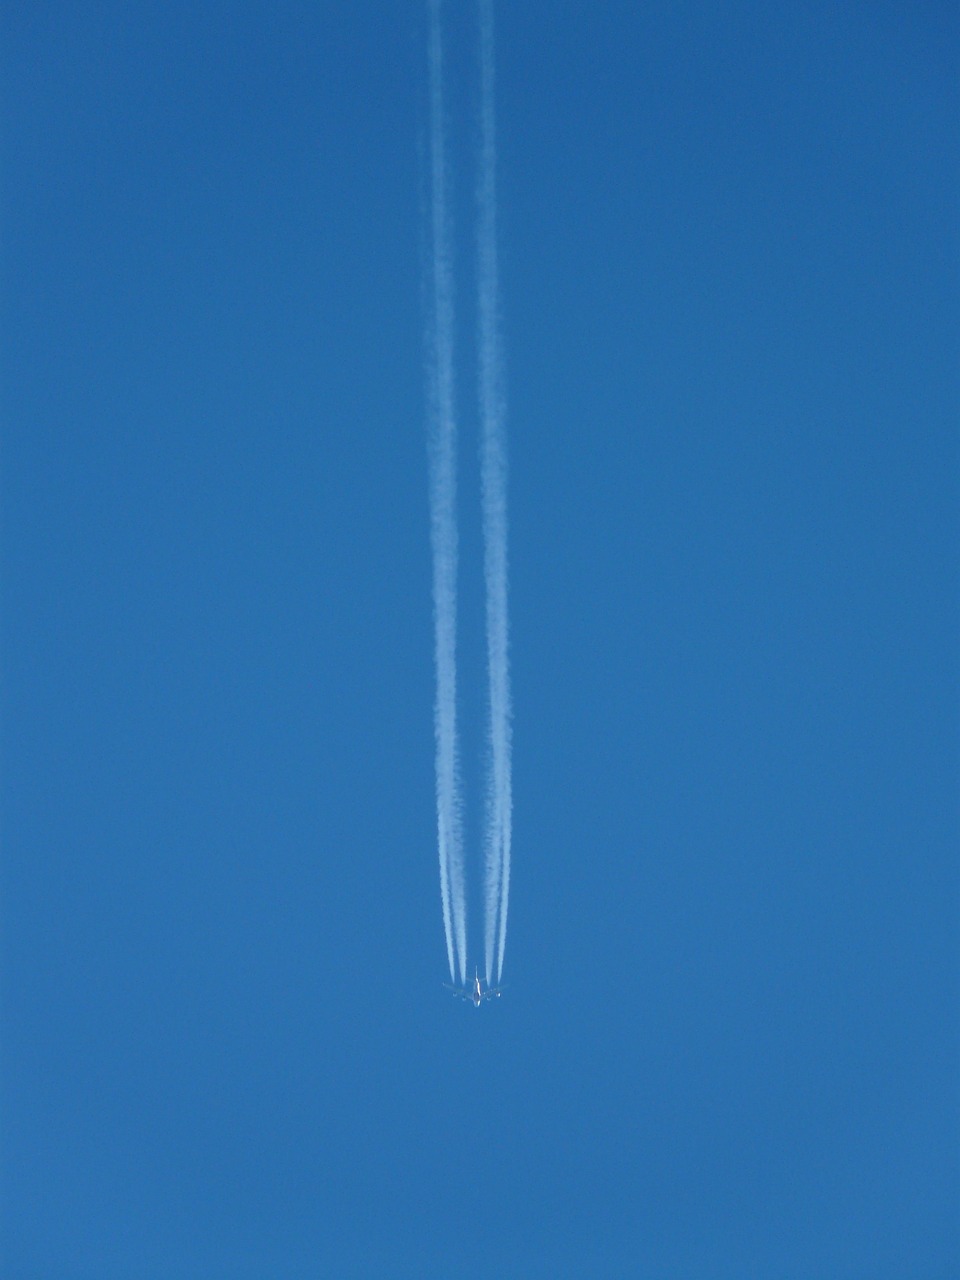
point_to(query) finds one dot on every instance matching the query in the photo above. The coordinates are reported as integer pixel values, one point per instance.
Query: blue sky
(729, 1045)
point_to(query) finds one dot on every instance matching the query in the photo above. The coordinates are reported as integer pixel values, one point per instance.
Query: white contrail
(443, 526)
(494, 490)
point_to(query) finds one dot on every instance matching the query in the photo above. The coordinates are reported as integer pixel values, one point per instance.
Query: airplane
(477, 993)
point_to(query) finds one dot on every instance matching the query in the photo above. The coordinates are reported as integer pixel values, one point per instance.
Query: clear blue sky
(730, 1046)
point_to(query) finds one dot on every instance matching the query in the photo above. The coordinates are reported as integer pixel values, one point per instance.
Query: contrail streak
(493, 462)
(443, 525)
